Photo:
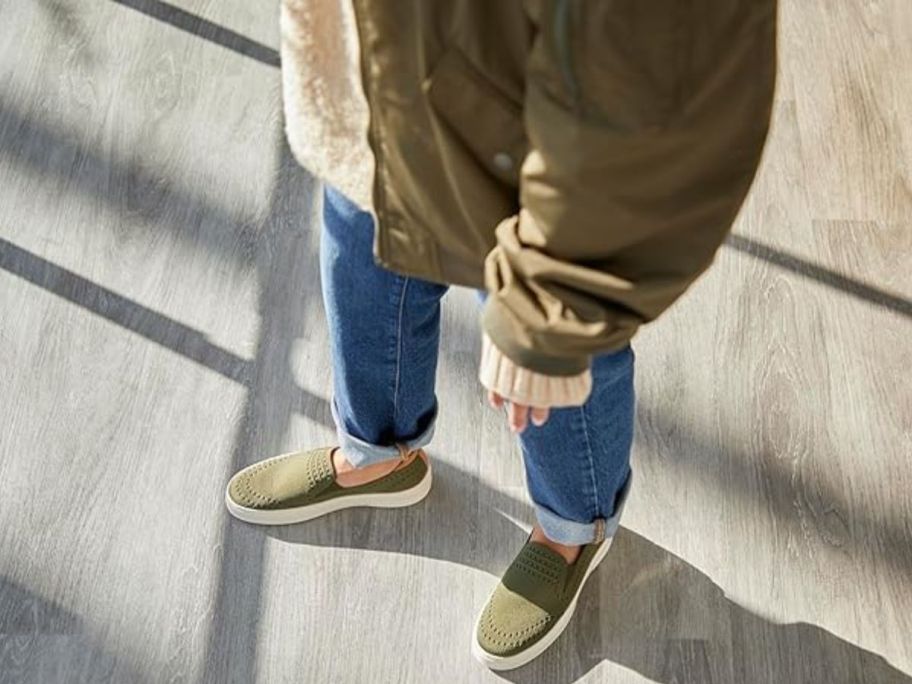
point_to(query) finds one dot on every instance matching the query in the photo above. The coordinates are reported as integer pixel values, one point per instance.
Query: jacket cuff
(515, 383)
(498, 324)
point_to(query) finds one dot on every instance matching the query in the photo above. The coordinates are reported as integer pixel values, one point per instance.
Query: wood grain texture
(161, 326)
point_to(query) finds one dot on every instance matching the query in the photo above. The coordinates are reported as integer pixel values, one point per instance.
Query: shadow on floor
(645, 609)
(205, 29)
(42, 642)
(54, 153)
(825, 276)
(286, 286)
(652, 612)
(70, 160)
(822, 509)
(426, 530)
(155, 327)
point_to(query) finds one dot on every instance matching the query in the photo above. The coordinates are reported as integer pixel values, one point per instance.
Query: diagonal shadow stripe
(821, 275)
(66, 157)
(205, 29)
(126, 313)
(150, 324)
(287, 306)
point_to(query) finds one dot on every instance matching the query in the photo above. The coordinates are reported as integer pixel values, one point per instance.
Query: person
(579, 162)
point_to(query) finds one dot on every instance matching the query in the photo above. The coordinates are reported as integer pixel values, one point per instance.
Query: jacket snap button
(503, 161)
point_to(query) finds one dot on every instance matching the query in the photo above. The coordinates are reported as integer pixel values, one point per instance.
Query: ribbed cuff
(515, 383)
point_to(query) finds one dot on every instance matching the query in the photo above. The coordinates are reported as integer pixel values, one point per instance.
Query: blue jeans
(384, 331)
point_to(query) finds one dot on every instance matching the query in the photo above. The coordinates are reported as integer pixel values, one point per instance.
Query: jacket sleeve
(645, 129)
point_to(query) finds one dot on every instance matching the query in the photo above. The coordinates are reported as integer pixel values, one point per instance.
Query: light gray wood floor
(161, 326)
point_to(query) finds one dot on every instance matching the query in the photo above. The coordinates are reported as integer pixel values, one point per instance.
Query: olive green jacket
(581, 159)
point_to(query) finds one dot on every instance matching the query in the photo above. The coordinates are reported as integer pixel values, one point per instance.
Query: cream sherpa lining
(326, 114)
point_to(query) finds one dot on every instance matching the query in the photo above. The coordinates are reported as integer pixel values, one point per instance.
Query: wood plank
(161, 326)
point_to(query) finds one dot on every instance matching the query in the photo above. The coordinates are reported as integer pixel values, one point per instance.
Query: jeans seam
(399, 348)
(589, 457)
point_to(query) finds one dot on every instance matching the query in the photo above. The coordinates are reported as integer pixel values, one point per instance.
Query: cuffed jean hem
(360, 453)
(573, 533)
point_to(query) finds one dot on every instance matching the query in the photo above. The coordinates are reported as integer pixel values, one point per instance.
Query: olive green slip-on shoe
(532, 604)
(296, 487)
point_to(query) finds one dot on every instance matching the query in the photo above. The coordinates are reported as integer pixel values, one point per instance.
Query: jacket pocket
(485, 120)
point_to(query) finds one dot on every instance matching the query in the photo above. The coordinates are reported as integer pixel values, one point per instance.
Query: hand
(519, 415)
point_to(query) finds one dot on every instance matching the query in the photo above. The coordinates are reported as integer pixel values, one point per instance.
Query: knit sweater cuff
(515, 383)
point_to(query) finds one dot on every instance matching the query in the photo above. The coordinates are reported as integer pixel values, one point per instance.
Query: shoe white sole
(511, 662)
(289, 516)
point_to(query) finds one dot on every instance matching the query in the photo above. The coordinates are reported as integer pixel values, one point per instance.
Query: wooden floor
(161, 326)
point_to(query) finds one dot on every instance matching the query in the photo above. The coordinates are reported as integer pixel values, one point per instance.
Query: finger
(539, 415)
(495, 400)
(519, 417)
